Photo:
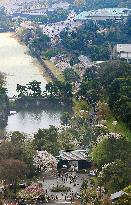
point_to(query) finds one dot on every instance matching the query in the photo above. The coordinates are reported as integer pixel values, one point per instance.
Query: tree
(40, 43)
(111, 149)
(17, 137)
(47, 139)
(103, 110)
(70, 75)
(115, 176)
(34, 86)
(19, 149)
(65, 118)
(44, 161)
(22, 90)
(68, 140)
(12, 171)
(28, 151)
(8, 150)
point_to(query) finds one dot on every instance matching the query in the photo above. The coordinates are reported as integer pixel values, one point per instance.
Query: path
(65, 196)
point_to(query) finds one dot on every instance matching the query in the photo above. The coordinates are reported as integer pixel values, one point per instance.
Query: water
(21, 68)
(31, 121)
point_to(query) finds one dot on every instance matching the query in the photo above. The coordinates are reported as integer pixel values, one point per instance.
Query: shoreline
(35, 60)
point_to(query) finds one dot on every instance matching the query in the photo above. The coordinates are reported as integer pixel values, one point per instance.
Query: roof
(106, 12)
(117, 195)
(124, 48)
(73, 155)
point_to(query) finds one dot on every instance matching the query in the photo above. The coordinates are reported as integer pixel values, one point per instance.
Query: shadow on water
(30, 119)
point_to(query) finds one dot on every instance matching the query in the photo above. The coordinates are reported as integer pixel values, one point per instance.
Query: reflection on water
(21, 69)
(31, 121)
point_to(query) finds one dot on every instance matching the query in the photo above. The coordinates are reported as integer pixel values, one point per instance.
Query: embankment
(4, 110)
(46, 69)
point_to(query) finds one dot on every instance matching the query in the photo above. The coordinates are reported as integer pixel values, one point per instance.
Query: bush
(60, 189)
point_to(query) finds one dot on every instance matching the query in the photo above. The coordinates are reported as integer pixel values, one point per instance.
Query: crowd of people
(70, 180)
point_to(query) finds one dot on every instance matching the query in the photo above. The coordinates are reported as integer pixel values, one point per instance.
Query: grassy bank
(80, 105)
(54, 70)
(120, 127)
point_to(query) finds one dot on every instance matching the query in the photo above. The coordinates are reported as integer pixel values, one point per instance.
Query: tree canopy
(110, 149)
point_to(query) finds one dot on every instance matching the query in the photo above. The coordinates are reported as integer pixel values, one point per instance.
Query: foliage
(5, 20)
(19, 149)
(60, 89)
(127, 189)
(40, 43)
(60, 188)
(109, 83)
(67, 139)
(103, 110)
(56, 89)
(123, 200)
(44, 161)
(31, 192)
(34, 86)
(90, 88)
(65, 118)
(110, 149)
(47, 139)
(79, 105)
(51, 17)
(89, 196)
(12, 171)
(96, 4)
(70, 75)
(95, 40)
(50, 53)
(115, 176)
(17, 137)
(22, 90)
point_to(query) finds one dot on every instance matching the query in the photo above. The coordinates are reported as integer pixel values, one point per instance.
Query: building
(114, 197)
(74, 160)
(123, 51)
(104, 14)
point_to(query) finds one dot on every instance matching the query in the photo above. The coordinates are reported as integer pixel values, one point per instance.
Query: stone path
(48, 184)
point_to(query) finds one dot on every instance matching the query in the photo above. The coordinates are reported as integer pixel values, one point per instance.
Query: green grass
(54, 70)
(80, 105)
(120, 127)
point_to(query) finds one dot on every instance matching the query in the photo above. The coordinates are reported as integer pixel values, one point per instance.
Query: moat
(21, 68)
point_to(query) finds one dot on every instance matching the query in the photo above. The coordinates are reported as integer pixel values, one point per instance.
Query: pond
(21, 68)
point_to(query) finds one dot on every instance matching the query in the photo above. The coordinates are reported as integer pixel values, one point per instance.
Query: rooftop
(73, 155)
(124, 48)
(106, 12)
(117, 195)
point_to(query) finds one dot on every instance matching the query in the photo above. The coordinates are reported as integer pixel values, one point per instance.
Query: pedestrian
(56, 197)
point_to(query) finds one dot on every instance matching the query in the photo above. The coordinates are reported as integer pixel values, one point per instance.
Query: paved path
(74, 187)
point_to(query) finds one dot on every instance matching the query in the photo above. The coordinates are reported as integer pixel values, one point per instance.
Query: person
(56, 197)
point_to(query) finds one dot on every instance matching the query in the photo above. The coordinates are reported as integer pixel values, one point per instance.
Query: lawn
(120, 127)
(54, 70)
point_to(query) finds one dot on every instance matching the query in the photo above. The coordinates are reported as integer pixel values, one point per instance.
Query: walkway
(65, 197)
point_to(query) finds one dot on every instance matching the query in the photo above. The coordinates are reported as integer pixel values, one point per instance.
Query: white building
(104, 14)
(123, 51)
